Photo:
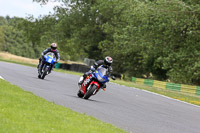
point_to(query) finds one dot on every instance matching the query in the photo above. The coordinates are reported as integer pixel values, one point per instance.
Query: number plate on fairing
(50, 60)
(86, 82)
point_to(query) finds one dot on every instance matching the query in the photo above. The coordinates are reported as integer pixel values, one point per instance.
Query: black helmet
(108, 60)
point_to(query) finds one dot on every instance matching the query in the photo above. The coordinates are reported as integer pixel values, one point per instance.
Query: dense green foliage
(13, 39)
(156, 39)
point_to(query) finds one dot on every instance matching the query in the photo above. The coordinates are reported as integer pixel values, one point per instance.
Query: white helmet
(54, 46)
(108, 60)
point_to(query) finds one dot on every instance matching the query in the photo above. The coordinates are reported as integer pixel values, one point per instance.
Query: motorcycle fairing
(50, 59)
(98, 75)
(97, 84)
(84, 84)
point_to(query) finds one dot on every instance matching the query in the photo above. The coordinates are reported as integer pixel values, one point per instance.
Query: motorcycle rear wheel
(80, 94)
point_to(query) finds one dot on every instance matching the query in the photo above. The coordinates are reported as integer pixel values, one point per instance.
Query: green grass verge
(21, 111)
(17, 62)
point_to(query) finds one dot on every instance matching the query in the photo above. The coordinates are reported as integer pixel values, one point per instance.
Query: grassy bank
(21, 111)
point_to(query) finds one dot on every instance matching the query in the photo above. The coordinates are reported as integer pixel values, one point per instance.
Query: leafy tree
(2, 41)
(146, 38)
(13, 40)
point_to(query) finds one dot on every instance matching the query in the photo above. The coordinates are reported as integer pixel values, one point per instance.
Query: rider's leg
(103, 86)
(82, 78)
(41, 63)
(40, 59)
(51, 68)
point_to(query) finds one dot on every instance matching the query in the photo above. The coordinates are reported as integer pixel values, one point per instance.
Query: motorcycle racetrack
(131, 109)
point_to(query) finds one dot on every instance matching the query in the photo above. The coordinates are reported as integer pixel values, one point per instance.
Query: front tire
(44, 73)
(90, 92)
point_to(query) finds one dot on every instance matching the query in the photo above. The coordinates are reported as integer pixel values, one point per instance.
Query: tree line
(156, 39)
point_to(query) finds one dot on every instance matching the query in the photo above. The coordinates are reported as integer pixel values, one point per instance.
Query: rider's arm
(92, 68)
(58, 56)
(98, 63)
(110, 70)
(45, 51)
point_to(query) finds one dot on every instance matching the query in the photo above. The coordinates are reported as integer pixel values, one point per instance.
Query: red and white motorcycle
(93, 82)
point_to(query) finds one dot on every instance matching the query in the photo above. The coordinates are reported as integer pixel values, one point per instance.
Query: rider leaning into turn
(107, 62)
(52, 49)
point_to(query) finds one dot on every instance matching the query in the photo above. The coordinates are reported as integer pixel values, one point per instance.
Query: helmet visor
(54, 48)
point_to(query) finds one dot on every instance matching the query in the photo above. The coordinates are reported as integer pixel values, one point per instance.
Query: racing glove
(92, 69)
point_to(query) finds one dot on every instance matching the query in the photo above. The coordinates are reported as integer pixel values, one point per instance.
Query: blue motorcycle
(46, 65)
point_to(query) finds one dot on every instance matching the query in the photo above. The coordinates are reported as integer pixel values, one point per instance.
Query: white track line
(2, 78)
(161, 95)
(170, 98)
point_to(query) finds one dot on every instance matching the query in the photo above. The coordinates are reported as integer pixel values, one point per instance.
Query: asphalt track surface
(131, 109)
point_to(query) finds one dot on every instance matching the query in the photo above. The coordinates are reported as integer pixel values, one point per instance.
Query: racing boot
(80, 80)
(38, 66)
(104, 87)
(39, 63)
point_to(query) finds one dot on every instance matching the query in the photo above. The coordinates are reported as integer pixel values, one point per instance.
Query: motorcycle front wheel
(43, 72)
(90, 92)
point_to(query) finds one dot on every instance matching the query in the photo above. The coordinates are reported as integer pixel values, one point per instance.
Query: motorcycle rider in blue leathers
(52, 49)
(107, 62)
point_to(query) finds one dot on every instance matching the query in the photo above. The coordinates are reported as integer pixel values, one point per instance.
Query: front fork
(41, 68)
(94, 83)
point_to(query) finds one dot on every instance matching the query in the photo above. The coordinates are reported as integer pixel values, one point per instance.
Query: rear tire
(90, 92)
(80, 94)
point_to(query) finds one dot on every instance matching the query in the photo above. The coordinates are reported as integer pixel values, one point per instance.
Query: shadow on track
(91, 100)
(42, 79)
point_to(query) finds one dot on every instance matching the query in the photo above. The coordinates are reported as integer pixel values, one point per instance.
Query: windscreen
(50, 54)
(103, 71)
